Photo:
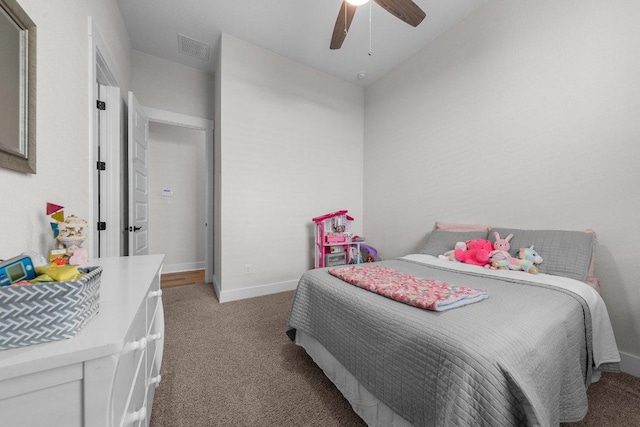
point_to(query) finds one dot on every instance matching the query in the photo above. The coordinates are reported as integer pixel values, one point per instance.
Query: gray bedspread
(520, 357)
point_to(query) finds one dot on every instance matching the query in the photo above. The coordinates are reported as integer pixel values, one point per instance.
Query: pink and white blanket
(419, 292)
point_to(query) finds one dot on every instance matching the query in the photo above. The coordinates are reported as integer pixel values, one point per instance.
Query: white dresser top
(123, 286)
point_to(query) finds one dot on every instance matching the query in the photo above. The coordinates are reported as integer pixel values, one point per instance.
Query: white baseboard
(630, 364)
(216, 288)
(186, 266)
(254, 291)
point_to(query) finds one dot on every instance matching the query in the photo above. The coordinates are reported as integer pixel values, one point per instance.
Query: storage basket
(48, 311)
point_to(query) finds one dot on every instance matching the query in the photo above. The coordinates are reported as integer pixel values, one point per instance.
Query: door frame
(176, 119)
(102, 69)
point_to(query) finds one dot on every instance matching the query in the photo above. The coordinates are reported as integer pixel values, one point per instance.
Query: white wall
(290, 149)
(63, 150)
(177, 228)
(526, 114)
(169, 86)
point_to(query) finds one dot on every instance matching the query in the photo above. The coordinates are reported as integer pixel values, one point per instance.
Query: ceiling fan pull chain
(370, 48)
(345, 18)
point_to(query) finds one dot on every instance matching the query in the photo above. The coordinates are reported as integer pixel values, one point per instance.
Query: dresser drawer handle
(136, 416)
(140, 344)
(154, 337)
(154, 294)
(155, 380)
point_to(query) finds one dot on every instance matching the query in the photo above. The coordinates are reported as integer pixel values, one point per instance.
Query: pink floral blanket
(423, 293)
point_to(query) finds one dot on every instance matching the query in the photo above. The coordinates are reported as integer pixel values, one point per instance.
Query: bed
(523, 356)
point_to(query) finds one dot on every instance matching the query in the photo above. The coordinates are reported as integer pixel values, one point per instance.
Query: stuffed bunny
(500, 256)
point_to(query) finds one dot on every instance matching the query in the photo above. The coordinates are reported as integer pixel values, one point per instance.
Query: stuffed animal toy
(477, 252)
(528, 259)
(502, 260)
(499, 258)
(451, 255)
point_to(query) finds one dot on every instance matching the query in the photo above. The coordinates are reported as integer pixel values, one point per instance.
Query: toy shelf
(333, 241)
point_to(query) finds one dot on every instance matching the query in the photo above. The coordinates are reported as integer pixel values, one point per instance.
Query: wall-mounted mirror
(17, 88)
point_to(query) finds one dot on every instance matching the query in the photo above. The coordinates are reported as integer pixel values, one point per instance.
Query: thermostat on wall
(166, 195)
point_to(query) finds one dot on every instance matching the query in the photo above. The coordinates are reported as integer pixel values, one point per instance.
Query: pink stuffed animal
(501, 252)
(477, 252)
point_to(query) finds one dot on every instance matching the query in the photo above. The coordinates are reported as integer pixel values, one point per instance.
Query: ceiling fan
(405, 10)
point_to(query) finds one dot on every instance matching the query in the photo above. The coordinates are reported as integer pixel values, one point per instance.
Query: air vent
(193, 47)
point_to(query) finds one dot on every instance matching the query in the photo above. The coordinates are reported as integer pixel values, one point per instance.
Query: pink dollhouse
(334, 242)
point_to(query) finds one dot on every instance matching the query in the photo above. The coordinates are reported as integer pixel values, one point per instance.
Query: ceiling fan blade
(345, 16)
(405, 10)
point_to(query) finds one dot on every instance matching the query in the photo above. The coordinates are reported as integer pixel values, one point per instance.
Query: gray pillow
(440, 241)
(564, 253)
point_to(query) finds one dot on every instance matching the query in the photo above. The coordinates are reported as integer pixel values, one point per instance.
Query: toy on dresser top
(16, 269)
(30, 268)
(69, 235)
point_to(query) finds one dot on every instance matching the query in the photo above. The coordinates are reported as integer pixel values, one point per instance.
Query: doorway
(177, 206)
(113, 183)
(201, 127)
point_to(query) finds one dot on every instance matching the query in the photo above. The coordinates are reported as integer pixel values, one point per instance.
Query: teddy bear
(477, 252)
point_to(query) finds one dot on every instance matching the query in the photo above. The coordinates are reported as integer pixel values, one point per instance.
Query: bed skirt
(366, 405)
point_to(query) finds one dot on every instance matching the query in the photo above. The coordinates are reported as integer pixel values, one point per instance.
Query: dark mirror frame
(24, 163)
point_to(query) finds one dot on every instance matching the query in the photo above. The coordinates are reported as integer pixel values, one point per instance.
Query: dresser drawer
(131, 362)
(48, 398)
(154, 300)
(154, 353)
(155, 314)
(152, 384)
(136, 412)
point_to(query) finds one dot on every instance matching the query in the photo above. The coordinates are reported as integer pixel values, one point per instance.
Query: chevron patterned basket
(48, 311)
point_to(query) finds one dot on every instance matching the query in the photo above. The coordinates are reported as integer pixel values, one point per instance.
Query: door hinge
(101, 105)
(102, 225)
(101, 166)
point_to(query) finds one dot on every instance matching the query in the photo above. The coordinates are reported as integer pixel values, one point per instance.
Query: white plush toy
(450, 255)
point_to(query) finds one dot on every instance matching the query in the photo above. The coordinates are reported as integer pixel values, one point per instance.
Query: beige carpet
(232, 365)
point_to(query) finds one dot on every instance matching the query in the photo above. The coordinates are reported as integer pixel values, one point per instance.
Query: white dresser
(107, 374)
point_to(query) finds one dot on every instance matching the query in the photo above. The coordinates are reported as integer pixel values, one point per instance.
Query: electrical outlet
(247, 269)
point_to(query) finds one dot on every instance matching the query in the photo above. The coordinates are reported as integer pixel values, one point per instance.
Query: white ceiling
(296, 29)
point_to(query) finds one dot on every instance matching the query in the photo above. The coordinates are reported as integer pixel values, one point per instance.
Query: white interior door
(138, 179)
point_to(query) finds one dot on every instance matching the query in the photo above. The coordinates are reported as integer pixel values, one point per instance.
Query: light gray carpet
(232, 365)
